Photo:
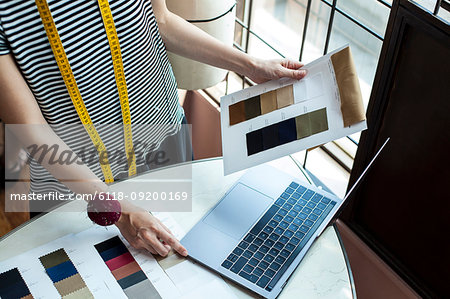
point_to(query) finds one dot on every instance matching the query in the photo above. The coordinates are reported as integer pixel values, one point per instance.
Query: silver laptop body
(219, 232)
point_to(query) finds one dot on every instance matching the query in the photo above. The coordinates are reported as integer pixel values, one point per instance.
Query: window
(308, 29)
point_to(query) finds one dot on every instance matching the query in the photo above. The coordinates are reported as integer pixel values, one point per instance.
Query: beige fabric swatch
(70, 284)
(170, 260)
(268, 102)
(285, 96)
(83, 293)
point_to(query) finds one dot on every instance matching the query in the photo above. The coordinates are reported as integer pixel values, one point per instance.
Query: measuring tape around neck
(74, 92)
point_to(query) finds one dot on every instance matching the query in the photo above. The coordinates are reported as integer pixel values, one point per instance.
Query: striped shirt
(151, 85)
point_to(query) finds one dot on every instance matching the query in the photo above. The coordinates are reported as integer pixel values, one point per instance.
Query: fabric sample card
(294, 114)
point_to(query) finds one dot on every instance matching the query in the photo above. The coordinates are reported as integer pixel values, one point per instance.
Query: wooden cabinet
(402, 207)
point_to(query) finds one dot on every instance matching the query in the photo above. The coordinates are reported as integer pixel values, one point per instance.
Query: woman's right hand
(144, 231)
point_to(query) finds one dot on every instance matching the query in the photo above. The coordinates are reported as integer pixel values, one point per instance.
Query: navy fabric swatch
(270, 136)
(61, 271)
(12, 285)
(287, 131)
(254, 142)
(113, 252)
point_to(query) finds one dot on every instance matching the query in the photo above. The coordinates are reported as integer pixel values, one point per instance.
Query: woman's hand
(261, 70)
(144, 231)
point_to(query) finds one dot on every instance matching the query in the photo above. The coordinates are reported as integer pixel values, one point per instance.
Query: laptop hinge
(319, 234)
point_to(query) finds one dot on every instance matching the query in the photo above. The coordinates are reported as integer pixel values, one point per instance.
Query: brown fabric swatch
(352, 107)
(54, 258)
(126, 270)
(237, 113)
(252, 107)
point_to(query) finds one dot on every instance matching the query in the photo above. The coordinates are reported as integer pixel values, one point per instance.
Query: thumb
(294, 74)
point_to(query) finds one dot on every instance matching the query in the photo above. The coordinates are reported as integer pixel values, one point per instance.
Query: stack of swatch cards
(99, 263)
(284, 116)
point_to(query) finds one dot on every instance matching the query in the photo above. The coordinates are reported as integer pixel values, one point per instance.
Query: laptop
(260, 230)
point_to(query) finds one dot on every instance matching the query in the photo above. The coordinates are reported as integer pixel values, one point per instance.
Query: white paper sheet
(191, 279)
(181, 279)
(317, 90)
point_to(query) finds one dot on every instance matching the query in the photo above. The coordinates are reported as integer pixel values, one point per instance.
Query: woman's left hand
(261, 70)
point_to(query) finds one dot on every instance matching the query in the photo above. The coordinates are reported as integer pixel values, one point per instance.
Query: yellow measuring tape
(72, 87)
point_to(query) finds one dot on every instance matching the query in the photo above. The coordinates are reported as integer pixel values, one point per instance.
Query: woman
(32, 89)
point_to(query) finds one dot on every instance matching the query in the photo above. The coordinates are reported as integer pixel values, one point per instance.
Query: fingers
(143, 231)
(294, 74)
(140, 244)
(152, 240)
(173, 242)
(299, 74)
(292, 64)
(166, 228)
(291, 69)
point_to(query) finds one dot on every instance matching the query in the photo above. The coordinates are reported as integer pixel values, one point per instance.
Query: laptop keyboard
(274, 242)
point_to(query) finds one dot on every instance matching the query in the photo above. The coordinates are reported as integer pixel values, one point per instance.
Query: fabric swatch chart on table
(99, 263)
(284, 116)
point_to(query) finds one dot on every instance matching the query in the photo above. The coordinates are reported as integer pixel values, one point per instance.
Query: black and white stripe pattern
(151, 85)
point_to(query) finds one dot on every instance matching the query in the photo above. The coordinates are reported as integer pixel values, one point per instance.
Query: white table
(323, 273)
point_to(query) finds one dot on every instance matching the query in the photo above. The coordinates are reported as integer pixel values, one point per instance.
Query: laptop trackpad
(238, 211)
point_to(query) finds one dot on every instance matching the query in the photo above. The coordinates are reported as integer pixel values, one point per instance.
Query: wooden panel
(205, 119)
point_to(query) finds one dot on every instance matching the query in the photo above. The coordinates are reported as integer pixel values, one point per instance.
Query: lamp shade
(215, 18)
